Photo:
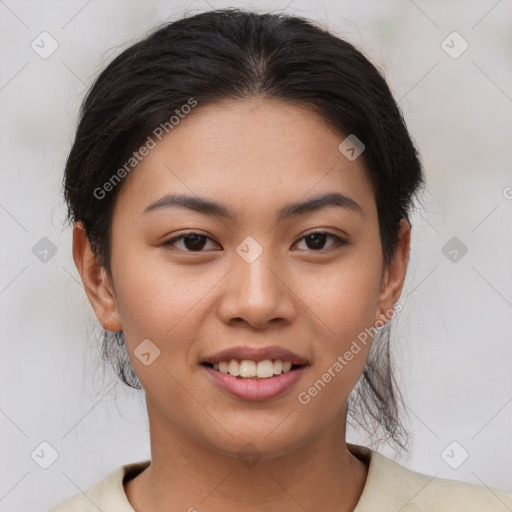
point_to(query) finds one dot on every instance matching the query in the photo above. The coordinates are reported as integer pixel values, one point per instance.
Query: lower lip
(256, 390)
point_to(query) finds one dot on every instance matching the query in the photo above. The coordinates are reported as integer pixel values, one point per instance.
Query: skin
(255, 156)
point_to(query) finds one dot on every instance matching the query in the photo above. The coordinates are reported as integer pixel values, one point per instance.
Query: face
(195, 283)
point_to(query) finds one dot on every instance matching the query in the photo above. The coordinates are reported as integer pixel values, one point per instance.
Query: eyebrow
(211, 208)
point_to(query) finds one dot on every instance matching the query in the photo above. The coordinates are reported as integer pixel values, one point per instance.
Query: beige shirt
(389, 487)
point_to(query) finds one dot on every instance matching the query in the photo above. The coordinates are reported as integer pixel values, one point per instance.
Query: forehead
(248, 153)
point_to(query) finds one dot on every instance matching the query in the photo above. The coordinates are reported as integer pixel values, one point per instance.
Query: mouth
(248, 384)
(255, 373)
(254, 370)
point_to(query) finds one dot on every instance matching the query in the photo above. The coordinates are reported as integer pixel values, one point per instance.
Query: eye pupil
(318, 240)
(198, 242)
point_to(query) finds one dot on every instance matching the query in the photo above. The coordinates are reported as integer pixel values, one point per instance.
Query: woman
(240, 186)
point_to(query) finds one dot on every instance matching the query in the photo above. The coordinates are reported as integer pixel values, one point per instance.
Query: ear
(394, 275)
(96, 282)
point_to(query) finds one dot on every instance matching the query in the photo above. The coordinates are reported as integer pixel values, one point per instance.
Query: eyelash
(339, 241)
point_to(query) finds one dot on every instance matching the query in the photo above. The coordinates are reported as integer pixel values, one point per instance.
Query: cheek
(154, 296)
(345, 298)
(343, 308)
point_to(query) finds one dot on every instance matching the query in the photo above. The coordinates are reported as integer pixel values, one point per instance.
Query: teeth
(251, 369)
(247, 368)
(265, 369)
(234, 368)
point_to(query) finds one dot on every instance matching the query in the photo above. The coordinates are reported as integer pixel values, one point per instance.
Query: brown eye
(192, 242)
(316, 241)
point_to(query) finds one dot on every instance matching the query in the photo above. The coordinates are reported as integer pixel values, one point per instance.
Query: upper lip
(256, 354)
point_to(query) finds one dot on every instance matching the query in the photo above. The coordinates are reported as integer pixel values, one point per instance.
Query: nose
(257, 293)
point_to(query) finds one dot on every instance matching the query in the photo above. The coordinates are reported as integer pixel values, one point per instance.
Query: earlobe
(95, 280)
(394, 275)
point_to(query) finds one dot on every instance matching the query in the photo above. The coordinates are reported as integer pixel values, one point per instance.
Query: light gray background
(453, 336)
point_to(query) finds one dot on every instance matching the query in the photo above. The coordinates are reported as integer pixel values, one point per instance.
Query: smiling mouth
(253, 370)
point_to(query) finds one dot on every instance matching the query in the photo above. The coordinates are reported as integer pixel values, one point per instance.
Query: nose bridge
(253, 266)
(257, 292)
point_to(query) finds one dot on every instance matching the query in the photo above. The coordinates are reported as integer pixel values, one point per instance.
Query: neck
(186, 474)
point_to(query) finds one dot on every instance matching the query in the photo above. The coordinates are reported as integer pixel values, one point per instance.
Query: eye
(193, 242)
(316, 240)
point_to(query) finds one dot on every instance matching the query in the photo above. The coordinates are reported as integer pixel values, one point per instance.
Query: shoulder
(390, 486)
(108, 495)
